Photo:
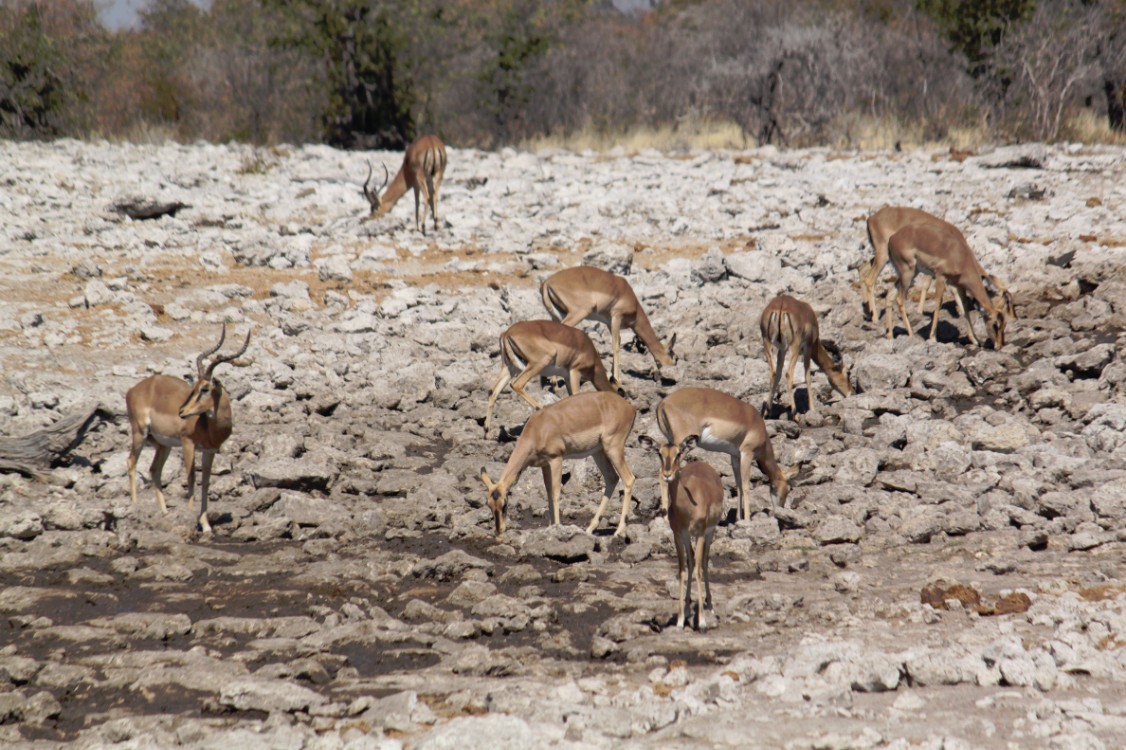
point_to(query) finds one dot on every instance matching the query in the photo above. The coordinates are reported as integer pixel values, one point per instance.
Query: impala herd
(167, 412)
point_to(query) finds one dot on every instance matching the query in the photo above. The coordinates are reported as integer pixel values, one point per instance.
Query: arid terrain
(951, 571)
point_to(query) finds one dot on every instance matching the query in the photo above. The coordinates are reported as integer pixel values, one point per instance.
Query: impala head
(669, 454)
(780, 489)
(670, 348)
(996, 322)
(207, 392)
(498, 500)
(373, 196)
(837, 376)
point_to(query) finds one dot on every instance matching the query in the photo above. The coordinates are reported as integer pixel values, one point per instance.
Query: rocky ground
(950, 574)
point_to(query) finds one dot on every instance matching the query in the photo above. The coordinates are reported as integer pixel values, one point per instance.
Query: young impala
(422, 170)
(789, 327)
(544, 347)
(592, 424)
(695, 505)
(575, 294)
(944, 253)
(726, 425)
(166, 412)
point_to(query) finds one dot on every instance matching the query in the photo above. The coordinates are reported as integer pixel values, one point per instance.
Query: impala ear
(647, 442)
(485, 478)
(688, 444)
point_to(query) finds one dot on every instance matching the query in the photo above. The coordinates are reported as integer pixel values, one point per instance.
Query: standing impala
(586, 424)
(789, 326)
(725, 425)
(575, 294)
(422, 170)
(544, 347)
(166, 412)
(944, 253)
(695, 505)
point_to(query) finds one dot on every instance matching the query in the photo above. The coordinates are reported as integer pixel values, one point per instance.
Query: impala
(889, 220)
(944, 253)
(544, 347)
(575, 294)
(789, 327)
(422, 170)
(695, 505)
(166, 412)
(725, 425)
(587, 424)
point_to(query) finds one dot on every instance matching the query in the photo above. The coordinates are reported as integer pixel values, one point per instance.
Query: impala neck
(393, 193)
(210, 432)
(519, 460)
(646, 333)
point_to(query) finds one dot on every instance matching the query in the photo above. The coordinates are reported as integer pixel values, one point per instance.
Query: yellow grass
(1089, 127)
(690, 134)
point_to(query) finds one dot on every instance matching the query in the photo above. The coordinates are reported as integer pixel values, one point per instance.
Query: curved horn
(367, 194)
(220, 360)
(386, 177)
(208, 353)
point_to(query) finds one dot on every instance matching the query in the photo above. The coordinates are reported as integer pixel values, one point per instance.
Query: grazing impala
(726, 425)
(575, 294)
(544, 347)
(422, 170)
(886, 222)
(789, 326)
(695, 505)
(944, 253)
(586, 424)
(167, 412)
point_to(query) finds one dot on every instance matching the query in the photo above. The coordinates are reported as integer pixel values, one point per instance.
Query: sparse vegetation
(689, 73)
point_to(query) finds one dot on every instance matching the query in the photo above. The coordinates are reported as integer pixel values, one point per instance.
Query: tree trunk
(1115, 104)
(37, 452)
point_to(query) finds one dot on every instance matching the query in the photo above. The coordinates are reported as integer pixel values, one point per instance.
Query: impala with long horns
(422, 170)
(166, 412)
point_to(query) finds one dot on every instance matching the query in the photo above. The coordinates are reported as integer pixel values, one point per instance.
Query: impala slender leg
(923, 293)
(134, 454)
(968, 306)
(741, 466)
(709, 535)
(792, 355)
(188, 448)
(683, 560)
(616, 335)
(531, 371)
(155, 470)
(553, 478)
(616, 456)
(940, 289)
(504, 379)
(610, 483)
(208, 459)
(698, 559)
(809, 381)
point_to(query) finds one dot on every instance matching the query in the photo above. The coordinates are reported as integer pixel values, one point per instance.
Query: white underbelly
(168, 441)
(711, 442)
